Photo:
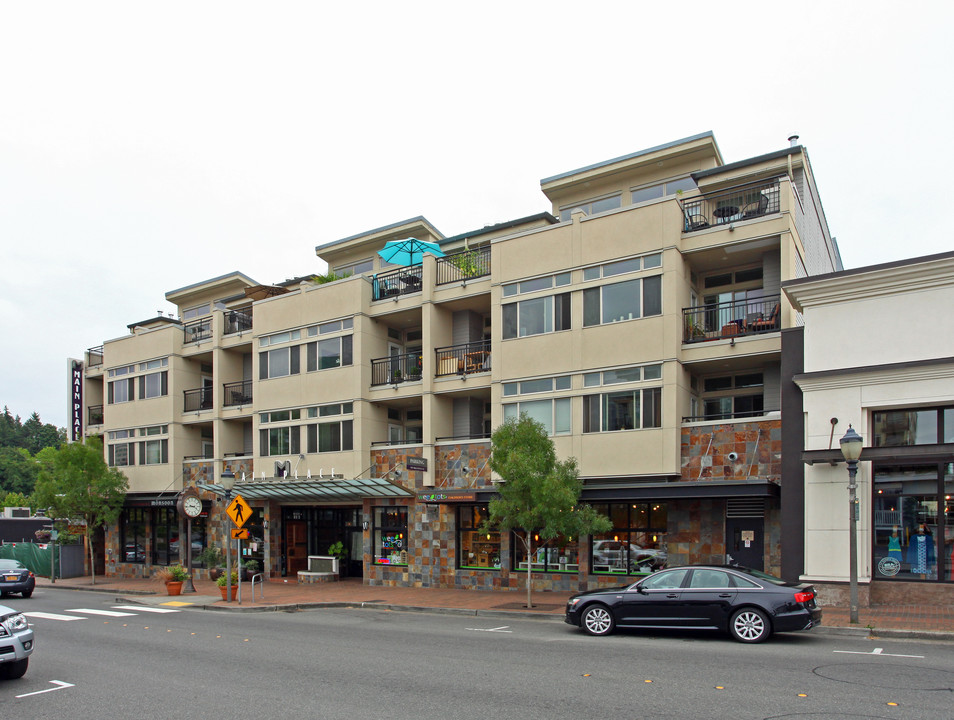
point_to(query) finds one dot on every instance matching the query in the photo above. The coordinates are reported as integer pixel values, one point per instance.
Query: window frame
(556, 316)
(387, 519)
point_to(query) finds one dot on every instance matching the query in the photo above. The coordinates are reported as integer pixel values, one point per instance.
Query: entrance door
(296, 545)
(355, 545)
(744, 541)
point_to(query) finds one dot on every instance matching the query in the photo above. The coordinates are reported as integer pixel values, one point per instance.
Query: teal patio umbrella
(409, 251)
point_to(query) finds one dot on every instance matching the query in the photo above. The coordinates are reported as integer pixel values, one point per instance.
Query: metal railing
(397, 282)
(94, 356)
(237, 393)
(725, 416)
(743, 202)
(94, 415)
(463, 266)
(198, 330)
(237, 320)
(455, 438)
(752, 316)
(396, 369)
(463, 359)
(198, 399)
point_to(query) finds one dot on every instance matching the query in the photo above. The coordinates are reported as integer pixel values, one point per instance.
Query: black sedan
(15, 577)
(748, 604)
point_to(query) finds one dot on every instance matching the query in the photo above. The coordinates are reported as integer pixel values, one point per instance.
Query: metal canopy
(330, 490)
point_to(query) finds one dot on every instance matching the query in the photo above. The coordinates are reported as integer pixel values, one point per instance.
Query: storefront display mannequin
(921, 557)
(894, 544)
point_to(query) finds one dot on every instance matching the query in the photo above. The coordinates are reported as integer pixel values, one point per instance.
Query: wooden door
(296, 546)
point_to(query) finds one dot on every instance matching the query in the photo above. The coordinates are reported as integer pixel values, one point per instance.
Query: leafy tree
(76, 483)
(15, 499)
(18, 470)
(538, 494)
(37, 435)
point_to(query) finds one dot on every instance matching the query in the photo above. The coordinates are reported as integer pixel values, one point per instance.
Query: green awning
(327, 490)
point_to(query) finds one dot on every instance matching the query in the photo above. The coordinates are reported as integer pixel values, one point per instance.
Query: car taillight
(804, 597)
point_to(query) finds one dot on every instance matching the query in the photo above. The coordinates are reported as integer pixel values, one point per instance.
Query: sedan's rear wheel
(598, 620)
(27, 593)
(750, 625)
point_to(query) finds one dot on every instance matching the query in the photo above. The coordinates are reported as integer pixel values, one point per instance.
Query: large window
(622, 410)
(733, 396)
(561, 554)
(279, 363)
(154, 385)
(122, 454)
(922, 426)
(554, 414)
(628, 300)
(536, 316)
(280, 441)
(390, 536)
(120, 391)
(327, 354)
(330, 437)
(635, 545)
(476, 550)
(592, 207)
(914, 521)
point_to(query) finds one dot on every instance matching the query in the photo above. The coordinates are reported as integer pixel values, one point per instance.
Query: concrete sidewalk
(909, 621)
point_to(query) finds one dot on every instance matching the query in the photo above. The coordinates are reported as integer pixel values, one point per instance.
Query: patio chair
(755, 209)
(696, 221)
(770, 323)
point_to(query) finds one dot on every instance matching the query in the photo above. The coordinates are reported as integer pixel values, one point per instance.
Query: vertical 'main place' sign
(76, 401)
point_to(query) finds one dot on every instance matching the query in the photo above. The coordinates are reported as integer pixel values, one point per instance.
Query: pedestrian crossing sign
(239, 511)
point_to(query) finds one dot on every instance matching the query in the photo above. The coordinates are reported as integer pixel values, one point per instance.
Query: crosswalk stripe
(107, 613)
(52, 616)
(143, 608)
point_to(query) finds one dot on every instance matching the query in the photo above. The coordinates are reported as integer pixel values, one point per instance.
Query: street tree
(539, 495)
(18, 470)
(76, 483)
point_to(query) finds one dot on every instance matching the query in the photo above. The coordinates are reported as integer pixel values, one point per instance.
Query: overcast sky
(148, 146)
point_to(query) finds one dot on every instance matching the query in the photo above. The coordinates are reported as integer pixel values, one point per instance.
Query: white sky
(148, 146)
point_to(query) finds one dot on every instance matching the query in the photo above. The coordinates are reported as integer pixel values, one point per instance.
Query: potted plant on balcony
(173, 577)
(467, 263)
(222, 583)
(396, 376)
(414, 369)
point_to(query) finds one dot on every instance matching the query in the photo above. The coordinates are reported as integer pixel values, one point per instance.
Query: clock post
(189, 506)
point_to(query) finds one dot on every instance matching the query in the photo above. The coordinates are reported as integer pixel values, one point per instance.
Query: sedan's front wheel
(750, 625)
(598, 620)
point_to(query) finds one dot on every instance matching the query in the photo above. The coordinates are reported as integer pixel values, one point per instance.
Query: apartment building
(639, 319)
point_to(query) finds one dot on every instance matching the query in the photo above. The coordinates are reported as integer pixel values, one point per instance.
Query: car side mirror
(640, 589)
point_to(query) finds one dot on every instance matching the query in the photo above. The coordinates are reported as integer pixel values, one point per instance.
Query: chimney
(792, 140)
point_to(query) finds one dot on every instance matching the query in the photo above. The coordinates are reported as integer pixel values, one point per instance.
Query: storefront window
(912, 522)
(132, 535)
(561, 554)
(635, 545)
(390, 536)
(165, 534)
(476, 550)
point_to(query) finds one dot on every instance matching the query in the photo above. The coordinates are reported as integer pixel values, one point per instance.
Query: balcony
(197, 330)
(237, 393)
(752, 316)
(744, 202)
(463, 359)
(462, 266)
(94, 415)
(238, 320)
(198, 399)
(393, 284)
(94, 356)
(396, 369)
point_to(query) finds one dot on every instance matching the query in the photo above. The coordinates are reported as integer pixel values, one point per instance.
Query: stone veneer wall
(758, 444)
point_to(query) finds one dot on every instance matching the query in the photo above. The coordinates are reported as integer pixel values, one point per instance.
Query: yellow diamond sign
(239, 511)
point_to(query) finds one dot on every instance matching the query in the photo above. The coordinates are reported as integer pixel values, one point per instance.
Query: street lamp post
(228, 482)
(851, 445)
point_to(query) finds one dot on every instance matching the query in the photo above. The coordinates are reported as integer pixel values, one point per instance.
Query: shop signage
(889, 566)
(416, 463)
(448, 496)
(76, 401)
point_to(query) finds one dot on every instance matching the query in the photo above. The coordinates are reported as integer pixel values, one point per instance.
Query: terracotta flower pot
(174, 587)
(222, 588)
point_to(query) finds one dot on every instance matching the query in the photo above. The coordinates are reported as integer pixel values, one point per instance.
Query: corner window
(389, 536)
(592, 207)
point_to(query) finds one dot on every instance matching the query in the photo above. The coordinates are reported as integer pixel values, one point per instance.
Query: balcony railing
(95, 415)
(237, 393)
(743, 202)
(237, 320)
(737, 415)
(752, 316)
(463, 359)
(463, 266)
(397, 282)
(94, 356)
(396, 369)
(198, 330)
(198, 399)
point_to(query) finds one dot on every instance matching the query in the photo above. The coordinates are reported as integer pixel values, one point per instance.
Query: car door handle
(725, 595)
(672, 595)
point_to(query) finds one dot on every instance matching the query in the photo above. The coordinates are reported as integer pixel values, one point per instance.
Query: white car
(613, 553)
(16, 643)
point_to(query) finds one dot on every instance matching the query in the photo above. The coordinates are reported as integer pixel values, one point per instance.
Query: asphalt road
(365, 663)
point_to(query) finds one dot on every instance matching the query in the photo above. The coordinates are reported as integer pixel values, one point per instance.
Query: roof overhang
(943, 452)
(314, 490)
(679, 490)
